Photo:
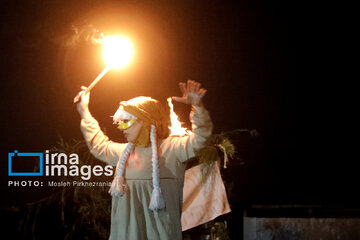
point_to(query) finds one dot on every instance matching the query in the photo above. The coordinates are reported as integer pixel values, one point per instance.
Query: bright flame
(118, 51)
(175, 128)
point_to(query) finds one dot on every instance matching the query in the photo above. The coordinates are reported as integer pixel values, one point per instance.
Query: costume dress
(131, 217)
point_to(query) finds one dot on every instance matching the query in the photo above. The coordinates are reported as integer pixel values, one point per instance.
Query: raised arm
(99, 144)
(186, 147)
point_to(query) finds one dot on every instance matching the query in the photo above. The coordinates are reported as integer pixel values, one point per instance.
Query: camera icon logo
(17, 154)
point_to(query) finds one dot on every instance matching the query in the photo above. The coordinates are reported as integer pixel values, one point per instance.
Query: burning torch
(118, 52)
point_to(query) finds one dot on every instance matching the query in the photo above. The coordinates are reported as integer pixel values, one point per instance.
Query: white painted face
(132, 132)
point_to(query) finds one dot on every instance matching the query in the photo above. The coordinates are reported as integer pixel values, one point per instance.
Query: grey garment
(131, 217)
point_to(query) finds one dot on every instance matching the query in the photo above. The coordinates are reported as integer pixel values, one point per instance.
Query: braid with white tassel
(118, 186)
(157, 201)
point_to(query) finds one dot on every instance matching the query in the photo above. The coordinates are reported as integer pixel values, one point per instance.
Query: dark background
(244, 53)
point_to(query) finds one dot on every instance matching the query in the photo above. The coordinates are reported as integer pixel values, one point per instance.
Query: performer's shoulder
(172, 141)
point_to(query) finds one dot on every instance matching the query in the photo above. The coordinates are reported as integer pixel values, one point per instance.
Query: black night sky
(244, 53)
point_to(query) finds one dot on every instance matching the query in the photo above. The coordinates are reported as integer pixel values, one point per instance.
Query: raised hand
(82, 100)
(192, 93)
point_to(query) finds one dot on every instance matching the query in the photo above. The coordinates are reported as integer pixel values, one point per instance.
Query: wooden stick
(97, 79)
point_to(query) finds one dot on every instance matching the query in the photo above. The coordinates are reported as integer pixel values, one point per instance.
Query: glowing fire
(118, 51)
(175, 128)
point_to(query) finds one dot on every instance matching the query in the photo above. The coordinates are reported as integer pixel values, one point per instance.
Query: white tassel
(157, 201)
(118, 186)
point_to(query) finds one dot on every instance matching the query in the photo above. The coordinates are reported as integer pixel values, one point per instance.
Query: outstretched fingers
(197, 87)
(192, 92)
(191, 85)
(179, 99)
(202, 92)
(183, 88)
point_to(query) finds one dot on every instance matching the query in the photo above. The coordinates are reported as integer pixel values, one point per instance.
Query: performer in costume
(147, 189)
